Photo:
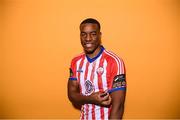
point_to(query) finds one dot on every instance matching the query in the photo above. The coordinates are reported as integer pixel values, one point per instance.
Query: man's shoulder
(77, 57)
(112, 56)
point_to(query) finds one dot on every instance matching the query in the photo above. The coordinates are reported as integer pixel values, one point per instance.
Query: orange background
(40, 37)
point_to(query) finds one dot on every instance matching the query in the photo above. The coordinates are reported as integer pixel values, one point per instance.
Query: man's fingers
(101, 98)
(107, 102)
(103, 94)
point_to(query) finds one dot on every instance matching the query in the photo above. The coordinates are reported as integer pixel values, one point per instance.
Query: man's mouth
(88, 44)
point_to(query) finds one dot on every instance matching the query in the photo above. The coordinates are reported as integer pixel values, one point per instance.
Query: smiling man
(97, 77)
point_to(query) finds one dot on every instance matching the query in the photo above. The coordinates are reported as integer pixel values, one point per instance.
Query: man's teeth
(88, 45)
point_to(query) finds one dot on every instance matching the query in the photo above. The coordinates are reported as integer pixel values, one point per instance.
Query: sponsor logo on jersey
(80, 70)
(89, 87)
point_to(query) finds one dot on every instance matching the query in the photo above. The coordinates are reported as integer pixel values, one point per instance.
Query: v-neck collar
(94, 58)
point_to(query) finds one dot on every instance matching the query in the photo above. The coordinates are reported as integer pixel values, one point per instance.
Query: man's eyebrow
(83, 32)
(88, 32)
(93, 31)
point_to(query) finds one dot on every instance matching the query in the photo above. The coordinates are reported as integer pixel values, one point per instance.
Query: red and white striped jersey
(95, 75)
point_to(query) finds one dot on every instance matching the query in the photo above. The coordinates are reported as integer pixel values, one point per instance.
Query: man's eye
(93, 34)
(83, 34)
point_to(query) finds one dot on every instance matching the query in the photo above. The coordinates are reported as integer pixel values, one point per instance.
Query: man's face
(90, 36)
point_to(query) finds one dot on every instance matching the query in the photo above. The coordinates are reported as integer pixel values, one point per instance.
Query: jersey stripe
(92, 79)
(96, 108)
(100, 85)
(79, 62)
(104, 81)
(85, 78)
(82, 84)
(104, 76)
(98, 112)
(93, 112)
(79, 66)
(106, 113)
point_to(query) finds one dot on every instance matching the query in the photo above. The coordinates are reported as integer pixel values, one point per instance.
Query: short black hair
(91, 20)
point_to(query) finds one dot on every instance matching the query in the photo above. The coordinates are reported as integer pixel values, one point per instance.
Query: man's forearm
(94, 98)
(117, 113)
(80, 99)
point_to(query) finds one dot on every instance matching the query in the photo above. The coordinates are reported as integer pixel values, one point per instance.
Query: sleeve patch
(119, 81)
(70, 72)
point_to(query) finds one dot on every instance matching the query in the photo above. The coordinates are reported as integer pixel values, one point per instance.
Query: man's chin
(88, 51)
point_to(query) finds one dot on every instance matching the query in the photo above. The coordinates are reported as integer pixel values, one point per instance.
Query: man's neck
(95, 53)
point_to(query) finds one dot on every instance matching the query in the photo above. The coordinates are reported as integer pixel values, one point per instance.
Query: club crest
(100, 70)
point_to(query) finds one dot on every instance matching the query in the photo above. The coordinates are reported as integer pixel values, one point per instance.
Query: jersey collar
(94, 58)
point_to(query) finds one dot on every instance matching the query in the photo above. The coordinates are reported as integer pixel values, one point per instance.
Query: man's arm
(118, 99)
(95, 98)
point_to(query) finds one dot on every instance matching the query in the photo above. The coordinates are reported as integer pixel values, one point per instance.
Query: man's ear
(100, 34)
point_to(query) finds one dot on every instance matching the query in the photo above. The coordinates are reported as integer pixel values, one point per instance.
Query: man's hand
(98, 98)
(101, 98)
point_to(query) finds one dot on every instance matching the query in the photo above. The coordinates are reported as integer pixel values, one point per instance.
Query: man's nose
(88, 38)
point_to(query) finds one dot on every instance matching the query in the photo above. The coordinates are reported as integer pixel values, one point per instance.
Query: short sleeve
(118, 75)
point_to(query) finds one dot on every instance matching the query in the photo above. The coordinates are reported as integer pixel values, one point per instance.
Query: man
(97, 77)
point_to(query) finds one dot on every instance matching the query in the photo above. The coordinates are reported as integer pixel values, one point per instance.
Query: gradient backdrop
(38, 39)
